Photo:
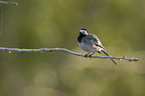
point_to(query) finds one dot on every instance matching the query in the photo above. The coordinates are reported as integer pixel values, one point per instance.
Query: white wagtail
(90, 43)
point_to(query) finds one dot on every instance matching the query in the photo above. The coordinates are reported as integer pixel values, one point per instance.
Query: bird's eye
(85, 32)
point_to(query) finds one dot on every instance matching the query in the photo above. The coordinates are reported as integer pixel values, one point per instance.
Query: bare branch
(5, 2)
(66, 50)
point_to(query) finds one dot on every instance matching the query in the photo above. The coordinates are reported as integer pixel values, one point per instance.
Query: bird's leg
(91, 54)
(99, 52)
(87, 54)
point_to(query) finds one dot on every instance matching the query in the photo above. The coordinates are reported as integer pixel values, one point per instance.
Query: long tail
(108, 55)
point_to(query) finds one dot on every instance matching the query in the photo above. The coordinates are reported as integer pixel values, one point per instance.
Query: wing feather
(94, 39)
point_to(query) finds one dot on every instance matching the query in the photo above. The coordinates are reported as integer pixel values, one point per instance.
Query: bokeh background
(120, 25)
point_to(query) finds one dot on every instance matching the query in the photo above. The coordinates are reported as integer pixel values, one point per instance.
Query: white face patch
(84, 32)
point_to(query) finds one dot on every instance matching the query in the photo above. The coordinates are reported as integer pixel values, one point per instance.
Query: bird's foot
(86, 55)
(89, 55)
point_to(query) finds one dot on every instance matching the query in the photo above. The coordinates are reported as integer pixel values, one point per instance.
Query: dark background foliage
(55, 23)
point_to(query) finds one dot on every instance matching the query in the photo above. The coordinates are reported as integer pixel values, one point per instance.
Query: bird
(91, 44)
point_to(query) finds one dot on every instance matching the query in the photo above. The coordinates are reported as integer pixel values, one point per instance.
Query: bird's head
(83, 31)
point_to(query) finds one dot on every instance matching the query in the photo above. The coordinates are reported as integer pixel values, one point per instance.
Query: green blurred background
(120, 25)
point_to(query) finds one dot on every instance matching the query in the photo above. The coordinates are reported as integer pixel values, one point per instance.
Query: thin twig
(66, 50)
(6, 2)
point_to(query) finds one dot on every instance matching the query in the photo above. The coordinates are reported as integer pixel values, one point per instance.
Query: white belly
(91, 48)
